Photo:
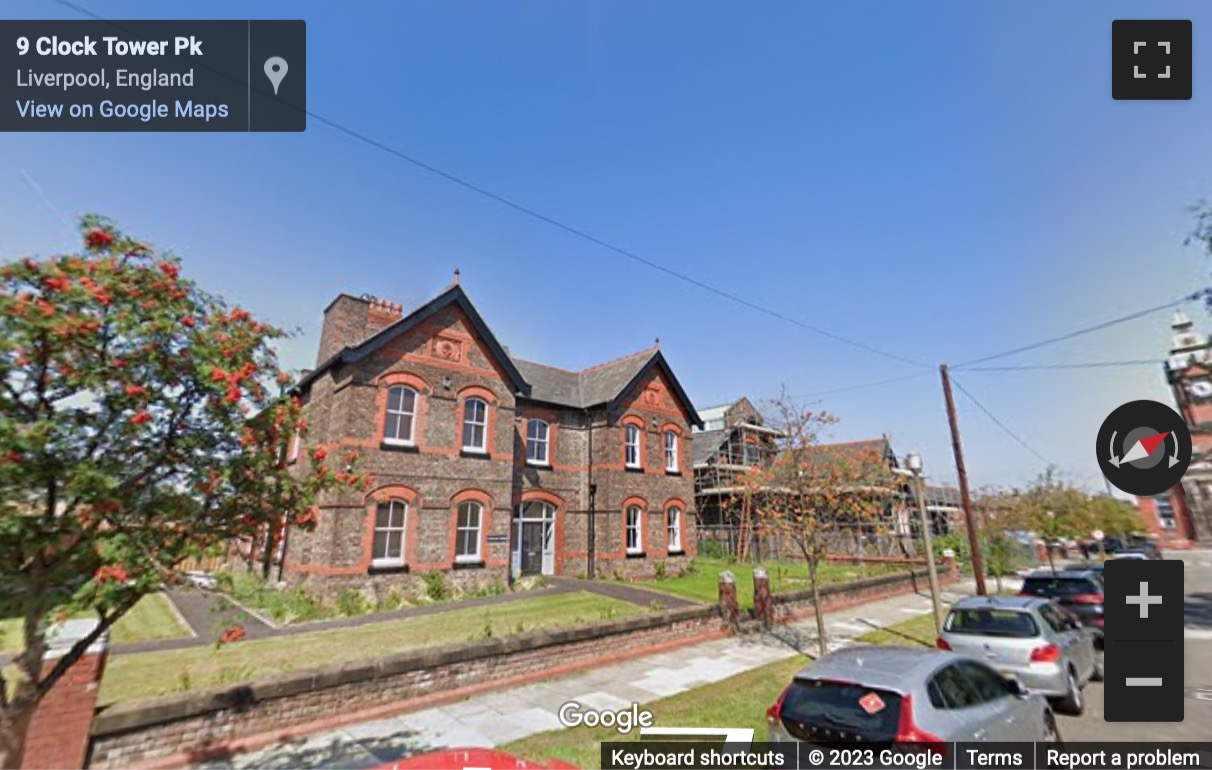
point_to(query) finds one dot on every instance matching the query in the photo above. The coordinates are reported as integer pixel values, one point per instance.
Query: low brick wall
(176, 730)
(794, 605)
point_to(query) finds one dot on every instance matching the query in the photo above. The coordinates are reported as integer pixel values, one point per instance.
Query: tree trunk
(813, 560)
(14, 724)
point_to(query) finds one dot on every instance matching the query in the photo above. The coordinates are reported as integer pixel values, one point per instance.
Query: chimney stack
(349, 320)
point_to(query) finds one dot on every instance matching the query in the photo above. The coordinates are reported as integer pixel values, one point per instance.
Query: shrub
(659, 569)
(435, 585)
(351, 603)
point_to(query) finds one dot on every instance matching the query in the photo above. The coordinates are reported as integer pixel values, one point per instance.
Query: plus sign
(1144, 599)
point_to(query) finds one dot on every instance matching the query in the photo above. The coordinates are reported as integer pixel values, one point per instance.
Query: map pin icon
(275, 70)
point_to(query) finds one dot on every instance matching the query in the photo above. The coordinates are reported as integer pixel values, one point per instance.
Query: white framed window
(632, 443)
(467, 531)
(1165, 512)
(401, 414)
(391, 518)
(296, 446)
(537, 441)
(673, 521)
(475, 425)
(671, 451)
(635, 530)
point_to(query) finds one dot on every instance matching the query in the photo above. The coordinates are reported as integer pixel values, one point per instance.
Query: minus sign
(1143, 681)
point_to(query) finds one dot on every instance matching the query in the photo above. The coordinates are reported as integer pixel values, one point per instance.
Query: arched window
(467, 531)
(671, 451)
(536, 442)
(632, 443)
(635, 529)
(475, 425)
(391, 519)
(673, 522)
(401, 415)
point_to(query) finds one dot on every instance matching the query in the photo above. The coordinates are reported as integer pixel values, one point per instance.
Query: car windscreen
(1053, 586)
(818, 710)
(990, 622)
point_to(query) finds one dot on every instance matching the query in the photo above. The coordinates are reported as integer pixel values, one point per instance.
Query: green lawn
(149, 674)
(152, 618)
(738, 701)
(703, 583)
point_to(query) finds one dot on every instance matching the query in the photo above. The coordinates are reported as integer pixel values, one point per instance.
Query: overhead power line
(993, 418)
(860, 386)
(570, 229)
(1087, 330)
(1074, 365)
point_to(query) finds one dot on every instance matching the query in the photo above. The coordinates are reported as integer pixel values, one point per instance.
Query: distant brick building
(489, 467)
(1185, 512)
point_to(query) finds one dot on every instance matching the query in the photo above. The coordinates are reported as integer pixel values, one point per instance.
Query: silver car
(1029, 637)
(906, 695)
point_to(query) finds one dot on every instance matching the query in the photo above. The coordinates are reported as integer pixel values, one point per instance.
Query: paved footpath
(517, 712)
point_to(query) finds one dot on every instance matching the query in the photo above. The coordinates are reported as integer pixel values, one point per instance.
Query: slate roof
(595, 386)
(707, 443)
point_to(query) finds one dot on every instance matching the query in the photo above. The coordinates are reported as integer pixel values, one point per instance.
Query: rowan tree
(142, 422)
(809, 491)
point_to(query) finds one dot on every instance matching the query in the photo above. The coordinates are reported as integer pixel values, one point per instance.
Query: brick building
(1185, 512)
(489, 467)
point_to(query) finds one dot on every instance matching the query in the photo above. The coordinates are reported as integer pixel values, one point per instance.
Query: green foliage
(351, 603)
(141, 423)
(658, 569)
(290, 605)
(713, 549)
(436, 587)
(656, 606)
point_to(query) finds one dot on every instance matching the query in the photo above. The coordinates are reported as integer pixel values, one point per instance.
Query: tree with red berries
(811, 490)
(142, 422)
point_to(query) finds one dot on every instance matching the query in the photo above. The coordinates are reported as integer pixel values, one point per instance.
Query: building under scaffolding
(734, 442)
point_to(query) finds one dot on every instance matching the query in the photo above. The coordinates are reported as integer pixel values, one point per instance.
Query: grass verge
(703, 583)
(152, 618)
(142, 675)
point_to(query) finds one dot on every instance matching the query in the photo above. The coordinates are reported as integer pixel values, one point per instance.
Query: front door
(532, 547)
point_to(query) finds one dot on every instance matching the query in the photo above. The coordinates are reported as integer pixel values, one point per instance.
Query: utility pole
(978, 561)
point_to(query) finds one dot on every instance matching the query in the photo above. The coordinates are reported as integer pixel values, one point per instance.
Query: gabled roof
(604, 384)
(599, 385)
(452, 296)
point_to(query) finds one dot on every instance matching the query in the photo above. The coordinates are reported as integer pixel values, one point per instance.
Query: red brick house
(489, 467)
(1183, 515)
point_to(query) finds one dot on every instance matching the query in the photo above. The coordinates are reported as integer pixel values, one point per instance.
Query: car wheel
(1073, 703)
(1051, 731)
(1097, 676)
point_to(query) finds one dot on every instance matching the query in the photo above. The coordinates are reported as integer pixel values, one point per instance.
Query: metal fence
(726, 540)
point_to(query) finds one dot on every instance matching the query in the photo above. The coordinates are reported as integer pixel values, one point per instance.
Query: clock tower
(1186, 511)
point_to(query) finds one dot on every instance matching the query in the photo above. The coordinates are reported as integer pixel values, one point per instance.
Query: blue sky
(941, 180)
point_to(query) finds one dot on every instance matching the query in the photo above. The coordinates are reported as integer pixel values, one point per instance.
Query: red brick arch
(639, 422)
(486, 514)
(411, 525)
(423, 389)
(634, 500)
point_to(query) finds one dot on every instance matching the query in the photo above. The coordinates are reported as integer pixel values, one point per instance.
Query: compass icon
(1144, 448)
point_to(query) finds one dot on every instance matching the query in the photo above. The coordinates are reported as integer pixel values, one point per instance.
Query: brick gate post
(58, 731)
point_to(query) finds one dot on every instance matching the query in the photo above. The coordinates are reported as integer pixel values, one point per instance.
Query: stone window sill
(474, 454)
(636, 555)
(388, 569)
(678, 552)
(468, 564)
(633, 468)
(391, 446)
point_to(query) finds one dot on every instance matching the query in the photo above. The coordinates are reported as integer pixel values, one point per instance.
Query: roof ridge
(620, 359)
(881, 440)
(547, 366)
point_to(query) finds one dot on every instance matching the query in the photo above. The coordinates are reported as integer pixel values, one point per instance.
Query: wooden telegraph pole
(978, 561)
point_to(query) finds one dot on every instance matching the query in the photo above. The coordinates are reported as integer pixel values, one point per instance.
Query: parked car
(1131, 554)
(1079, 592)
(1085, 566)
(906, 695)
(1030, 638)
